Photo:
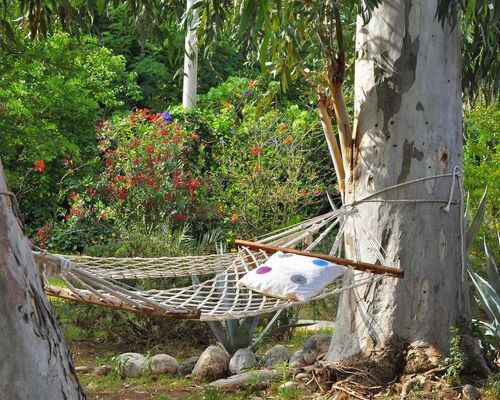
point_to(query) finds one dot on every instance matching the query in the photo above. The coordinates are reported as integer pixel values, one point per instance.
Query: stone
(256, 379)
(241, 361)
(163, 364)
(315, 346)
(297, 359)
(470, 392)
(212, 365)
(102, 370)
(275, 355)
(186, 367)
(289, 385)
(132, 364)
(302, 376)
(83, 369)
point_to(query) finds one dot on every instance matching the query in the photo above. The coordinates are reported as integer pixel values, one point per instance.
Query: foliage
(457, 361)
(481, 162)
(234, 334)
(486, 290)
(152, 173)
(52, 94)
(274, 157)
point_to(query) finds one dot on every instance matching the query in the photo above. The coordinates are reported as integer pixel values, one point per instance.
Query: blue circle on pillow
(320, 263)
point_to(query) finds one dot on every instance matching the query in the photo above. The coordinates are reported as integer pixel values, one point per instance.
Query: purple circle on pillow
(263, 270)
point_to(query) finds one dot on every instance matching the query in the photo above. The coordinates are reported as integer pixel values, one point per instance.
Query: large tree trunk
(35, 362)
(408, 110)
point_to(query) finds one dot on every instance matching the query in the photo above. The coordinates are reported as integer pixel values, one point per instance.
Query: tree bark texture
(35, 362)
(408, 126)
(190, 81)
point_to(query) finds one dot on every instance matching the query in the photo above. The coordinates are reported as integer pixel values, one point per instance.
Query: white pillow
(291, 276)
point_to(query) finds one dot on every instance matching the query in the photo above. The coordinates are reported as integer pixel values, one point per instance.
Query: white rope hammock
(99, 280)
(96, 279)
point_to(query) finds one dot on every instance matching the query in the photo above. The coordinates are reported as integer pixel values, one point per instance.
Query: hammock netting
(103, 281)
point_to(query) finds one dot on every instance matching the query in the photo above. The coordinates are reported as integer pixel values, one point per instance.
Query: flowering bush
(151, 173)
(271, 164)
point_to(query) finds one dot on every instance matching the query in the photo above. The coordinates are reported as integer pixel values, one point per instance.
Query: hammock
(98, 280)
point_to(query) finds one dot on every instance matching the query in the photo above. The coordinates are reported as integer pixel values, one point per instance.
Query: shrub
(52, 94)
(271, 164)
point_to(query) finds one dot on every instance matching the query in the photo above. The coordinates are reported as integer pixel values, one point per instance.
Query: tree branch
(331, 140)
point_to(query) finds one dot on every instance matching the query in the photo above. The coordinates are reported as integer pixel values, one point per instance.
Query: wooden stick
(358, 265)
(114, 302)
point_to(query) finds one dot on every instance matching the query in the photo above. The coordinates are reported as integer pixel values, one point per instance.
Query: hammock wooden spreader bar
(358, 265)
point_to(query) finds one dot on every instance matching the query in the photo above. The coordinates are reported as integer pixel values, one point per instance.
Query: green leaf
(473, 228)
(101, 6)
(487, 296)
(491, 267)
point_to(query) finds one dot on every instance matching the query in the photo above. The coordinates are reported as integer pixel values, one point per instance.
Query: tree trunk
(36, 363)
(409, 125)
(190, 82)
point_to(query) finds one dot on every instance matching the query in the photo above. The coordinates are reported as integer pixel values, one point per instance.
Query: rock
(470, 392)
(274, 355)
(290, 385)
(83, 369)
(132, 364)
(302, 376)
(163, 364)
(212, 364)
(315, 346)
(241, 361)
(186, 367)
(102, 370)
(297, 359)
(257, 379)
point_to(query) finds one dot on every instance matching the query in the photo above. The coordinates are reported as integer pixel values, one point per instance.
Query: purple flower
(272, 142)
(222, 140)
(167, 117)
(233, 131)
(248, 94)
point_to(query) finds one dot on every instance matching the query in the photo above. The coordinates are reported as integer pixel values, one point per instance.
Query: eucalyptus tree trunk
(190, 81)
(35, 362)
(408, 125)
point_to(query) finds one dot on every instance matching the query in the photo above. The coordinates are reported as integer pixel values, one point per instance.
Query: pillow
(291, 276)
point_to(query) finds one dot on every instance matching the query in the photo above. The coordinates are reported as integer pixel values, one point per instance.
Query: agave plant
(486, 290)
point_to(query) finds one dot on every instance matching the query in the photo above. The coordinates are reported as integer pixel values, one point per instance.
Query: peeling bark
(407, 126)
(36, 364)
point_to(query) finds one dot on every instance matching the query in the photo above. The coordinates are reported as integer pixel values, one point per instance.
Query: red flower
(150, 148)
(193, 184)
(194, 136)
(74, 196)
(39, 165)
(122, 194)
(252, 84)
(75, 211)
(150, 182)
(255, 150)
(136, 161)
(288, 140)
(92, 192)
(283, 126)
(234, 218)
(179, 217)
(317, 192)
(103, 214)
